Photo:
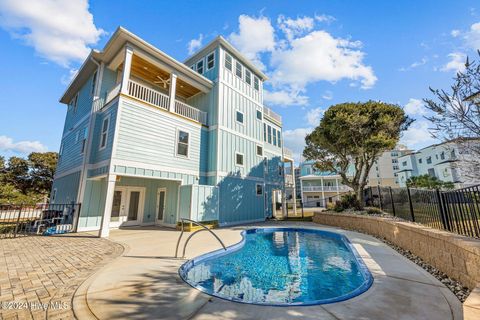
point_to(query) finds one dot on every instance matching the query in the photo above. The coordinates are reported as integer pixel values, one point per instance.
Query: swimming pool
(282, 267)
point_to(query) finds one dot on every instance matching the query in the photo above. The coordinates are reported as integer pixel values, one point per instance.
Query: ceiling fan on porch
(162, 81)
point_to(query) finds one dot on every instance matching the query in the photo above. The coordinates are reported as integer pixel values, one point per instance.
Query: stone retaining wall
(455, 255)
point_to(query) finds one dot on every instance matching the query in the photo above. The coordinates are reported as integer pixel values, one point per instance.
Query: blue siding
(96, 154)
(199, 202)
(71, 156)
(67, 188)
(93, 204)
(84, 105)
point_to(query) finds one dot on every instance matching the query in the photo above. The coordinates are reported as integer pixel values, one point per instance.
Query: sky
(315, 53)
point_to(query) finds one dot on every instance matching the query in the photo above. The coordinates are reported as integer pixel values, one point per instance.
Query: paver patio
(40, 270)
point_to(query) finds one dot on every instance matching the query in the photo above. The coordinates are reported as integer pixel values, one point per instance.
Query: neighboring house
(319, 187)
(448, 161)
(150, 140)
(385, 169)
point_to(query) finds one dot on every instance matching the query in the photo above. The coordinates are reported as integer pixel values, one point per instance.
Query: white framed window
(239, 117)
(264, 132)
(77, 136)
(259, 115)
(238, 69)
(200, 66)
(94, 81)
(239, 161)
(211, 61)
(228, 61)
(248, 76)
(259, 189)
(279, 139)
(274, 136)
(104, 134)
(73, 103)
(256, 83)
(259, 150)
(84, 140)
(183, 139)
(269, 134)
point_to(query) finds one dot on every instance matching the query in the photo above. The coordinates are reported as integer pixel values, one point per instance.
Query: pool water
(281, 266)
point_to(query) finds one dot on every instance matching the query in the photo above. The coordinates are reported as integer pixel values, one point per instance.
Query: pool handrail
(204, 227)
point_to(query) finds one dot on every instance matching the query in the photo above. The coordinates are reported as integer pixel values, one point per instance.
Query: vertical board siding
(204, 203)
(185, 201)
(93, 204)
(67, 188)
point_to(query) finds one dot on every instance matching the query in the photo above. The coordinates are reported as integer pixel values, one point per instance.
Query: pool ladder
(204, 227)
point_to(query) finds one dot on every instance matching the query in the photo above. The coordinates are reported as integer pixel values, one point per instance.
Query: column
(127, 65)
(323, 193)
(336, 183)
(105, 222)
(171, 92)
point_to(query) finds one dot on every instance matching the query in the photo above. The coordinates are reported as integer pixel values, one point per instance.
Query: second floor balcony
(340, 188)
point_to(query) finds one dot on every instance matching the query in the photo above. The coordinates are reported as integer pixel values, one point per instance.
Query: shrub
(347, 201)
(373, 210)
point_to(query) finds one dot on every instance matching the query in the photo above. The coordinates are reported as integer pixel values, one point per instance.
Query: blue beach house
(149, 140)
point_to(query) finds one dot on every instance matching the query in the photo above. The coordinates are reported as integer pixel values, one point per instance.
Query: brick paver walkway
(39, 275)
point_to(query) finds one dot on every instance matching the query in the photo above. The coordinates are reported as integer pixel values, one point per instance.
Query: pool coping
(365, 286)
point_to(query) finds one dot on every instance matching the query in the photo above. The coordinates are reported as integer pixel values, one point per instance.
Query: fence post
(301, 204)
(410, 204)
(380, 197)
(18, 221)
(391, 198)
(443, 213)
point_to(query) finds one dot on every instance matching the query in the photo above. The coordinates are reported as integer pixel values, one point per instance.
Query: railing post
(443, 213)
(18, 221)
(391, 198)
(410, 204)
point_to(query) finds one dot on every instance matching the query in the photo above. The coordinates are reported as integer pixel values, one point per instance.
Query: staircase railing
(204, 227)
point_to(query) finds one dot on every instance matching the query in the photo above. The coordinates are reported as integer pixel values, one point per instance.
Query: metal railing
(185, 110)
(454, 210)
(45, 218)
(204, 227)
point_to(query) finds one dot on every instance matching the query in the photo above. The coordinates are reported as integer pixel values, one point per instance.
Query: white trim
(256, 113)
(243, 117)
(107, 118)
(203, 66)
(241, 69)
(256, 191)
(159, 190)
(68, 172)
(177, 136)
(214, 60)
(251, 74)
(142, 165)
(243, 159)
(145, 177)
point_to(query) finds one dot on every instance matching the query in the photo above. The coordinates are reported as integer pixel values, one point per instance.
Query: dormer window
(238, 69)
(200, 66)
(211, 61)
(256, 83)
(228, 61)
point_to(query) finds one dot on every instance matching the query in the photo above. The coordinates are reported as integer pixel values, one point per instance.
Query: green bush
(373, 210)
(347, 201)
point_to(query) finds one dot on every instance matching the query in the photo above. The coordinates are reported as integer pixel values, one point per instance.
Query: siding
(156, 174)
(199, 202)
(67, 188)
(84, 105)
(71, 155)
(93, 204)
(96, 154)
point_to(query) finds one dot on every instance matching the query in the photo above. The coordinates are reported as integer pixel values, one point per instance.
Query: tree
(42, 170)
(355, 134)
(456, 115)
(17, 174)
(428, 182)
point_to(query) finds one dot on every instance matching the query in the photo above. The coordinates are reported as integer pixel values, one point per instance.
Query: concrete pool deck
(144, 283)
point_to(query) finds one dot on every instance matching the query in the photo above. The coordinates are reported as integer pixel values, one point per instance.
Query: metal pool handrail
(188, 239)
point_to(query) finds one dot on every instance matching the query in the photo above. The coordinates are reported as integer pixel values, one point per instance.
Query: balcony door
(127, 206)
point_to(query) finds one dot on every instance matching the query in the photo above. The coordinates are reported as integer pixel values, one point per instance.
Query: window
(429, 160)
(279, 139)
(239, 159)
(452, 154)
(259, 189)
(259, 151)
(264, 132)
(192, 67)
(259, 115)
(442, 155)
(404, 163)
(182, 143)
(269, 134)
(394, 161)
(54, 195)
(228, 61)
(420, 160)
(84, 140)
(104, 135)
(211, 61)
(256, 84)
(280, 169)
(395, 167)
(431, 172)
(73, 103)
(238, 69)
(274, 136)
(239, 117)
(94, 81)
(200, 66)
(248, 77)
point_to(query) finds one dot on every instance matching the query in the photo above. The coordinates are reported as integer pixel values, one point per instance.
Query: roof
(219, 40)
(117, 41)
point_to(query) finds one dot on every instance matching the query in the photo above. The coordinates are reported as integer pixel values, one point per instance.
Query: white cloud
(472, 36)
(456, 63)
(7, 144)
(324, 18)
(417, 136)
(255, 35)
(415, 107)
(455, 33)
(284, 98)
(415, 64)
(195, 44)
(313, 116)
(60, 31)
(295, 141)
(319, 56)
(295, 27)
(328, 95)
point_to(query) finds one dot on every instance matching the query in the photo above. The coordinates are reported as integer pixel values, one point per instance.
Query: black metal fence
(18, 220)
(455, 210)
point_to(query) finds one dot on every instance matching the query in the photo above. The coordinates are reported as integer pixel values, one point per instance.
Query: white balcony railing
(325, 188)
(269, 113)
(112, 93)
(143, 93)
(289, 179)
(185, 110)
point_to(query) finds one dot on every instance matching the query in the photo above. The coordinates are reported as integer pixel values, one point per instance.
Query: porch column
(323, 193)
(172, 91)
(105, 222)
(127, 65)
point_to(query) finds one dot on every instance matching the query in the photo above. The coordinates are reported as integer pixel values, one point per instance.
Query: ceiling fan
(162, 81)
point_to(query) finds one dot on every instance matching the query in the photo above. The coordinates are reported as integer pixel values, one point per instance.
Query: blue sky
(316, 53)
